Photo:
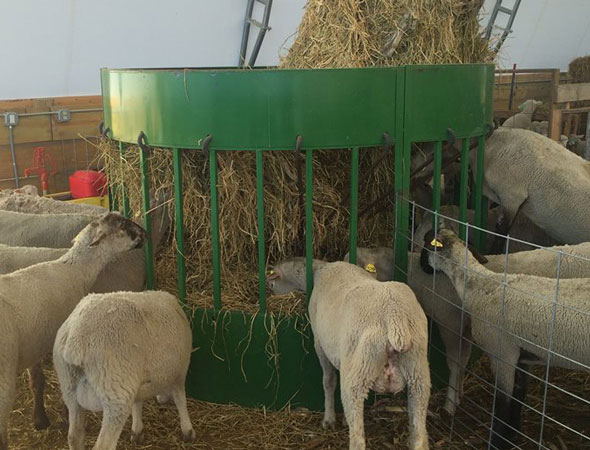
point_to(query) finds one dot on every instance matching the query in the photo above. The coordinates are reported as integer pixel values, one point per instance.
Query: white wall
(546, 33)
(56, 47)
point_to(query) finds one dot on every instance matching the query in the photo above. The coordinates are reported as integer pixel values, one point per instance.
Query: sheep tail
(398, 342)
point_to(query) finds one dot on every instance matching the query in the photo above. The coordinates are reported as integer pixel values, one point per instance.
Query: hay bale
(362, 33)
(238, 218)
(579, 72)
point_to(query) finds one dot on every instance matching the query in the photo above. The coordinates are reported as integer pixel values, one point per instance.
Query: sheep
(529, 173)
(14, 258)
(41, 230)
(27, 189)
(154, 342)
(575, 144)
(523, 119)
(36, 300)
(521, 229)
(126, 272)
(444, 306)
(541, 127)
(374, 333)
(44, 205)
(514, 318)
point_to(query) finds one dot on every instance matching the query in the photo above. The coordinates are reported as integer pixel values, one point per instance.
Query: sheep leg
(418, 397)
(77, 424)
(354, 391)
(37, 387)
(511, 206)
(451, 341)
(179, 397)
(137, 423)
(329, 382)
(7, 395)
(504, 424)
(113, 420)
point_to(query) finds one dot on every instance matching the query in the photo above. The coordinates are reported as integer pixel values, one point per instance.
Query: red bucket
(88, 183)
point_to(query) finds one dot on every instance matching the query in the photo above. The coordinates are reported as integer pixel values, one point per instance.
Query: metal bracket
(64, 115)
(142, 141)
(102, 131)
(10, 119)
(205, 144)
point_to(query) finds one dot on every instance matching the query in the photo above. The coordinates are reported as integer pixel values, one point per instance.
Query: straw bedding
(229, 427)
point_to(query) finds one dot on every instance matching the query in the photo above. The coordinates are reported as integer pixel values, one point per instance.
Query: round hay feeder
(253, 359)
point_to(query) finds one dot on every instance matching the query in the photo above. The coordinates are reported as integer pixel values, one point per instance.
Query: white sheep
(14, 258)
(27, 189)
(154, 342)
(522, 229)
(515, 318)
(534, 175)
(524, 118)
(41, 230)
(442, 304)
(126, 272)
(44, 205)
(35, 301)
(374, 333)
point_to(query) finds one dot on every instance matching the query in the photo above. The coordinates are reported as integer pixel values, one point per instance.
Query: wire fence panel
(515, 331)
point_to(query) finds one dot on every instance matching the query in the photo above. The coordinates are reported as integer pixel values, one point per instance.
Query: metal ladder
(498, 8)
(262, 29)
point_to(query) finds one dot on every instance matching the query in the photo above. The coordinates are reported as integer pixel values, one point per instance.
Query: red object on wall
(88, 183)
(41, 159)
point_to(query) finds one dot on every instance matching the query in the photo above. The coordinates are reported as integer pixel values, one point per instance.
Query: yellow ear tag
(436, 243)
(271, 272)
(370, 268)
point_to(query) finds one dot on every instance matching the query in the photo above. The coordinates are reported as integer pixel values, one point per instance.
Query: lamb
(374, 333)
(444, 306)
(521, 229)
(44, 205)
(35, 301)
(547, 183)
(27, 189)
(514, 318)
(523, 119)
(41, 230)
(575, 144)
(153, 339)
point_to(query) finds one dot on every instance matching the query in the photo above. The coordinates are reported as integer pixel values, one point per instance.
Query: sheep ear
(97, 240)
(480, 258)
(273, 274)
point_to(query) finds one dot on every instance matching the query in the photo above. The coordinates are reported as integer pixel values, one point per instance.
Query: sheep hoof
(447, 413)
(328, 424)
(41, 422)
(137, 438)
(190, 436)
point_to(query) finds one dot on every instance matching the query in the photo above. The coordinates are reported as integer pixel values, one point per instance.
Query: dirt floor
(232, 427)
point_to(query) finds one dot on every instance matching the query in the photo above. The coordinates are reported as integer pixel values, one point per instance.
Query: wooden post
(554, 111)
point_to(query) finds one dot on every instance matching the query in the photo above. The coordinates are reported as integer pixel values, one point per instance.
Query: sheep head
(114, 230)
(444, 248)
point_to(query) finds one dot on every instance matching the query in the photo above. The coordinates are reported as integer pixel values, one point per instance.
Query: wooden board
(573, 92)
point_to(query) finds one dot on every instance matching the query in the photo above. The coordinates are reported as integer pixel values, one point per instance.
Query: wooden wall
(62, 140)
(71, 152)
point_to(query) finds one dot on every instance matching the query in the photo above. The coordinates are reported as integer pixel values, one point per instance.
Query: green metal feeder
(264, 110)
